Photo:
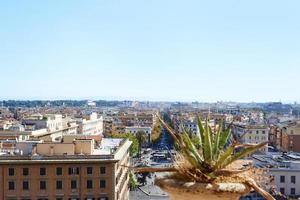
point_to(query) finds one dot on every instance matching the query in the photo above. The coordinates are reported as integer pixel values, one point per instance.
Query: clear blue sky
(150, 49)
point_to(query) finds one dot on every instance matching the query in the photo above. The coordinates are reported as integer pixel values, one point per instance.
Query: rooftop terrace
(79, 150)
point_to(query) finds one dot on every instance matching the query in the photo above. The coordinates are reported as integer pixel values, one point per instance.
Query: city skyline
(157, 51)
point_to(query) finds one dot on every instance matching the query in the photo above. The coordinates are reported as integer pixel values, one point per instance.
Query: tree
(135, 144)
(155, 134)
(132, 181)
(141, 138)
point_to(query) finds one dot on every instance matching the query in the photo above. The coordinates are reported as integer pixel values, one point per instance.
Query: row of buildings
(54, 125)
(244, 129)
(54, 157)
(285, 136)
(130, 122)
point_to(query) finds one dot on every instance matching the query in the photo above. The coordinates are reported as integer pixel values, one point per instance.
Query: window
(263, 132)
(282, 179)
(293, 191)
(25, 171)
(282, 190)
(103, 198)
(11, 185)
(42, 171)
(59, 198)
(293, 179)
(25, 185)
(58, 185)
(73, 170)
(73, 184)
(58, 171)
(11, 171)
(89, 170)
(42, 185)
(89, 184)
(257, 132)
(102, 170)
(102, 184)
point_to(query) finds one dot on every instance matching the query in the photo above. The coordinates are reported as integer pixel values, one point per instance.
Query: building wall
(91, 126)
(55, 149)
(122, 176)
(294, 143)
(247, 134)
(51, 122)
(287, 184)
(115, 177)
(51, 192)
(291, 139)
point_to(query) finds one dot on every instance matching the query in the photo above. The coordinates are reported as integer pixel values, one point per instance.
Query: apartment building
(283, 170)
(251, 133)
(134, 129)
(143, 119)
(90, 125)
(290, 136)
(107, 126)
(52, 122)
(70, 170)
(275, 136)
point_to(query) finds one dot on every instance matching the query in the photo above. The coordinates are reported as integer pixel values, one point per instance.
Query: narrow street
(164, 142)
(158, 156)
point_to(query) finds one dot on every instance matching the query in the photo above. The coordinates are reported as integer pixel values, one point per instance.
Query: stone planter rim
(180, 189)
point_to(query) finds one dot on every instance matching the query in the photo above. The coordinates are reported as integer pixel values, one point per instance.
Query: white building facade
(134, 129)
(92, 125)
(283, 171)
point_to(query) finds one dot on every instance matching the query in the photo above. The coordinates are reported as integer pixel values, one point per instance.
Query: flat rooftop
(108, 149)
(278, 160)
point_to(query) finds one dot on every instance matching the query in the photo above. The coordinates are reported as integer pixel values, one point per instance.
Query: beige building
(74, 169)
(251, 134)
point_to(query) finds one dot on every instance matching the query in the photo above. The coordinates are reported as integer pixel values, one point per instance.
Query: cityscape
(149, 100)
(82, 149)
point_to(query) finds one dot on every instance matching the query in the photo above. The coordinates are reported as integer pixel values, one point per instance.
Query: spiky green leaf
(191, 147)
(242, 153)
(224, 156)
(224, 136)
(207, 150)
(216, 149)
(201, 130)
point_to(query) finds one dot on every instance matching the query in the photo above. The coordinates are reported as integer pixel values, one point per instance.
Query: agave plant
(214, 154)
(210, 161)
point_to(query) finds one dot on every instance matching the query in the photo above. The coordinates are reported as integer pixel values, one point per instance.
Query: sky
(157, 50)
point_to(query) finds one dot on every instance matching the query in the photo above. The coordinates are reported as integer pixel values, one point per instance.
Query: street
(160, 155)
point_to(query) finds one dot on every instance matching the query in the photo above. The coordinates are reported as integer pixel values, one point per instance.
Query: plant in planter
(208, 171)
